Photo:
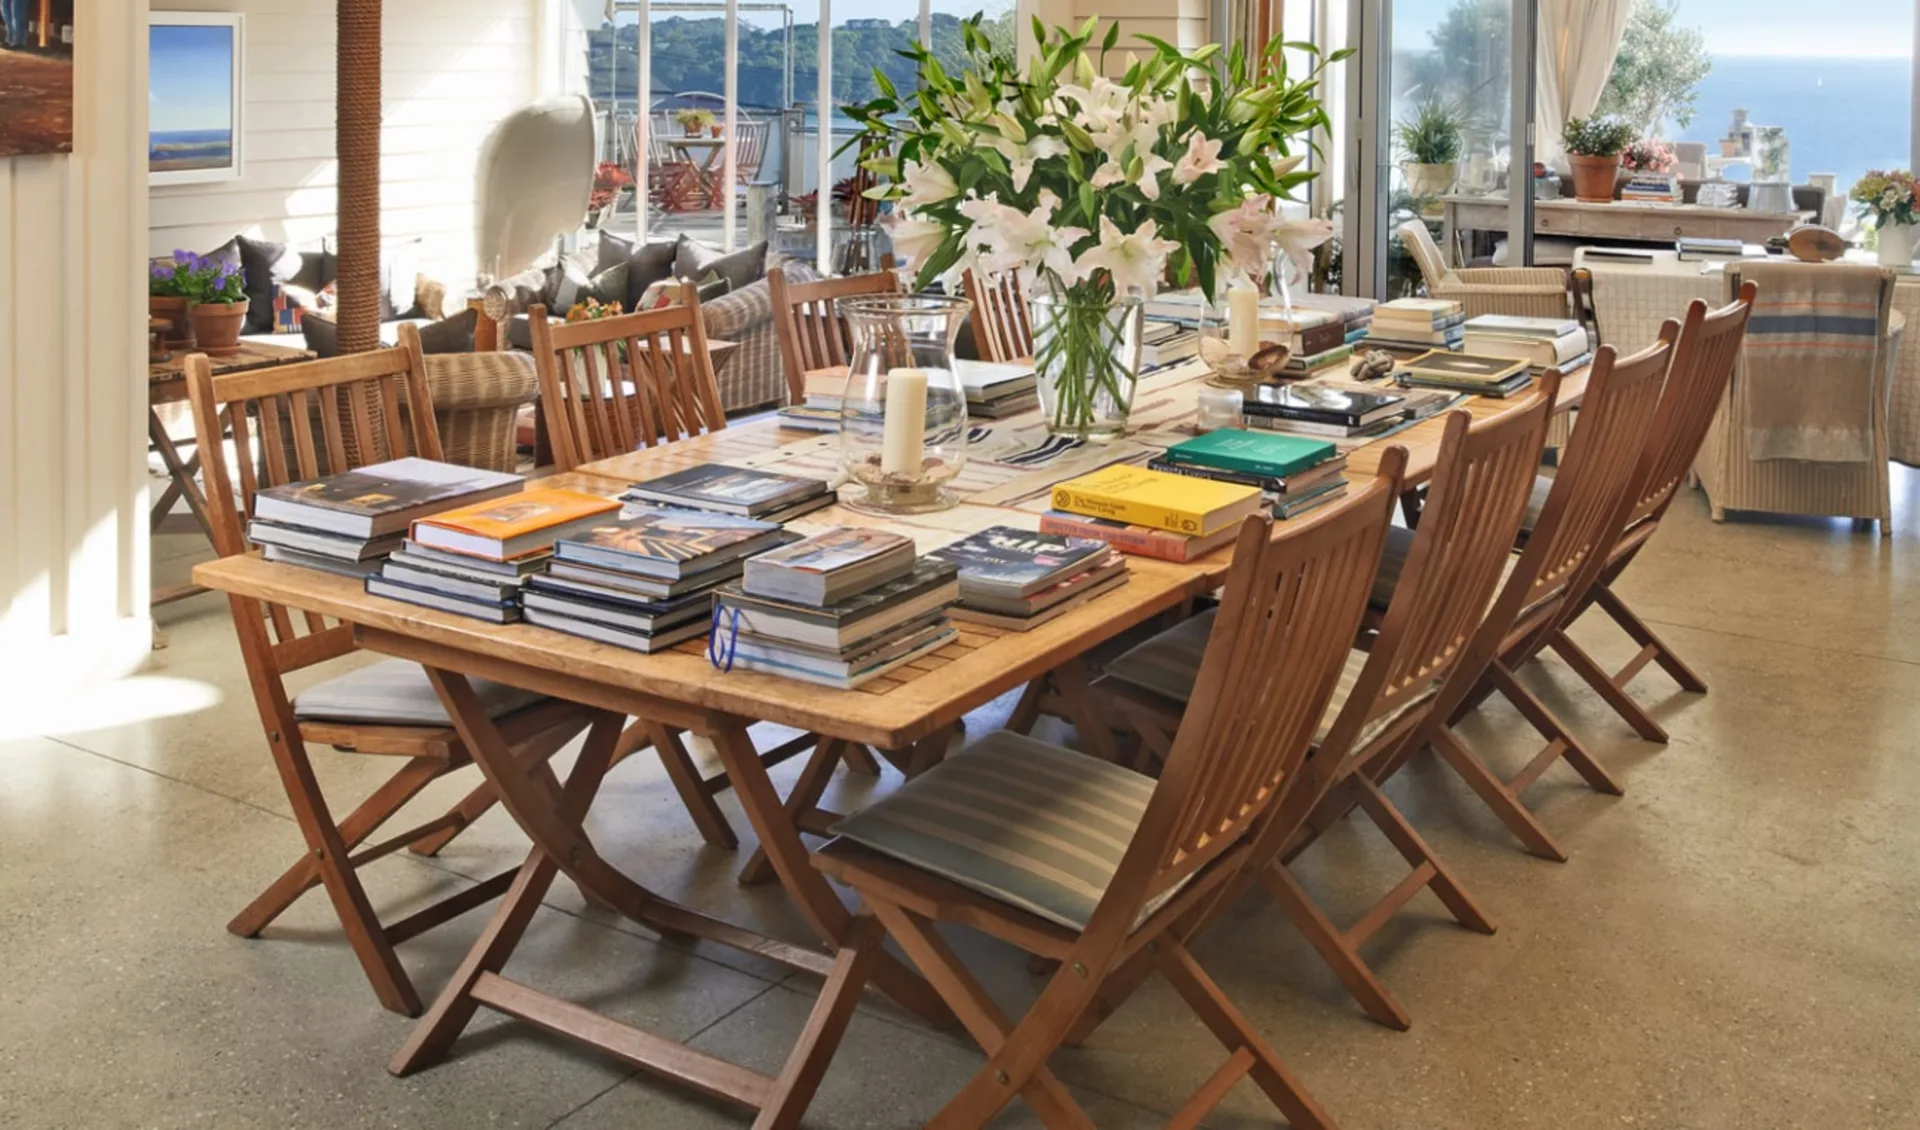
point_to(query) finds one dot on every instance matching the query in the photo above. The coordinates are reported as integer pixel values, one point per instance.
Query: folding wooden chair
(1089, 864)
(1566, 547)
(812, 333)
(1002, 329)
(368, 407)
(1386, 692)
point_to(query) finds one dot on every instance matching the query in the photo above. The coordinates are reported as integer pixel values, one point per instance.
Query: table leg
(180, 472)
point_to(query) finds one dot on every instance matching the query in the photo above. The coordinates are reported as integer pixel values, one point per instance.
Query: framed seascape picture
(194, 97)
(36, 77)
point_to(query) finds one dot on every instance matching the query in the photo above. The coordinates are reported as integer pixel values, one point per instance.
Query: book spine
(1258, 480)
(1129, 539)
(1320, 338)
(1132, 511)
(1278, 412)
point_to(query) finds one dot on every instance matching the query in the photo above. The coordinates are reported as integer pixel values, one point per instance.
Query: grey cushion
(741, 268)
(1033, 825)
(647, 263)
(395, 692)
(1393, 562)
(1536, 501)
(520, 332)
(448, 335)
(265, 263)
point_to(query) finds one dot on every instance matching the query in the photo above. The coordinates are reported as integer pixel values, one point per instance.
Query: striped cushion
(1033, 825)
(395, 692)
(1169, 663)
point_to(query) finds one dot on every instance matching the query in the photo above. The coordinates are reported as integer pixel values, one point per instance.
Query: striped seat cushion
(1033, 825)
(1169, 663)
(395, 692)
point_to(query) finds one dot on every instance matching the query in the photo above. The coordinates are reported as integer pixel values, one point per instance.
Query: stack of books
(350, 522)
(644, 580)
(839, 608)
(1140, 510)
(1295, 473)
(1355, 314)
(744, 493)
(474, 560)
(1497, 377)
(1165, 342)
(1543, 343)
(1140, 541)
(819, 410)
(1321, 410)
(1308, 365)
(1017, 579)
(1700, 249)
(1648, 188)
(996, 391)
(1431, 323)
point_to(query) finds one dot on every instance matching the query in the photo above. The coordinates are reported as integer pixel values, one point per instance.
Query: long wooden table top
(891, 711)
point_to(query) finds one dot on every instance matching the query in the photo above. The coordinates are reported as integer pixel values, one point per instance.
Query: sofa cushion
(741, 268)
(266, 264)
(449, 335)
(395, 692)
(647, 263)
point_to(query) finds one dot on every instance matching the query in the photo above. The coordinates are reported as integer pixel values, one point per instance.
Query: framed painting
(36, 77)
(195, 97)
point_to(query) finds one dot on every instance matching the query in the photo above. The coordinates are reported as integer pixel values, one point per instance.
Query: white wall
(73, 546)
(1183, 23)
(451, 69)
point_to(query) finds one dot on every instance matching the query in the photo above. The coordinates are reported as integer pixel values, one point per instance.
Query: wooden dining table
(909, 714)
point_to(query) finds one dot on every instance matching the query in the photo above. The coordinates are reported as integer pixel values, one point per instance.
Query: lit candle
(906, 427)
(1243, 321)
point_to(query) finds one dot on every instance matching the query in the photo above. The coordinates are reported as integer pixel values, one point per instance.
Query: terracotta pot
(692, 131)
(217, 326)
(1594, 177)
(174, 310)
(715, 130)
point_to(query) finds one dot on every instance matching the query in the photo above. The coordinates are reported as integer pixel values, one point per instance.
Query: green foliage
(1597, 136)
(1430, 133)
(1657, 74)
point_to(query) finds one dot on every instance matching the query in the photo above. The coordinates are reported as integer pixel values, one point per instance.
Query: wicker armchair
(1534, 292)
(477, 397)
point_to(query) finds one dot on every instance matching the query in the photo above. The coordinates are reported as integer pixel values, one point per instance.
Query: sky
(192, 73)
(1751, 27)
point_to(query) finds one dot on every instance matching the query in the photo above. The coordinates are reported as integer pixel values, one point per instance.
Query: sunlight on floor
(122, 702)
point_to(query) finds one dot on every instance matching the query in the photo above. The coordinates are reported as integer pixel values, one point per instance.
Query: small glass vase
(903, 417)
(1086, 353)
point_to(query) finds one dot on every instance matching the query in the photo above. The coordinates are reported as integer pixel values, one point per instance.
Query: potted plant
(1429, 136)
(219, 310)
(1593, 149)
(1648, 155)
(170, 291)
(1095, 190)
(693, 119)
(610, 182)
(1888, 199)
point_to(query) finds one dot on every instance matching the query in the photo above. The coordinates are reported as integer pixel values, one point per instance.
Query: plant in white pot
(1888, 199)
(1429, 137)
(1594, 146)
(1095, 190)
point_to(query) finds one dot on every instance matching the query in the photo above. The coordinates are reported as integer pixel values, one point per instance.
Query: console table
(1618, 220)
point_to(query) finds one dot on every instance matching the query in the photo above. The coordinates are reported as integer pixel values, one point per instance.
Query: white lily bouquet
(1096, 191)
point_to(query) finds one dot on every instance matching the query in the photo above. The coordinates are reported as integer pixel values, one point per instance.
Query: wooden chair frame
(358, 401)
(1294, 597)
(1002, 324)
(812, 333)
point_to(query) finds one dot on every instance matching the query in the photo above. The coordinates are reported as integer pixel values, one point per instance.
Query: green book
(1254, 453)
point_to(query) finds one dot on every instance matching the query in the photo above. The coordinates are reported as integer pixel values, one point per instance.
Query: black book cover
(734, 489)
(1018, 561)
(1320, 403)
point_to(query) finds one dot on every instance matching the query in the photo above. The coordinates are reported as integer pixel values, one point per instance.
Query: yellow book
(1185, 505)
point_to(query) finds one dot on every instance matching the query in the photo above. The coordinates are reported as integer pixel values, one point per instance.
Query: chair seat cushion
(1536, 501)
(1393, 561)
(1033, 825)
(395, 692)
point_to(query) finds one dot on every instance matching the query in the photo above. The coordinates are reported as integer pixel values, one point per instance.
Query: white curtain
(1578, 40)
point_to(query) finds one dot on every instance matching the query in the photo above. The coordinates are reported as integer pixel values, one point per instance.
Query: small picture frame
(196, 97)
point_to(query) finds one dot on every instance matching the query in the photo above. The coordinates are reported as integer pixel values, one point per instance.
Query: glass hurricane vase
(903, 418)
(1086, 348)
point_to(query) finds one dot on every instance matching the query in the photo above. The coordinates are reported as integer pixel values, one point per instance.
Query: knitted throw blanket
(1812, 359)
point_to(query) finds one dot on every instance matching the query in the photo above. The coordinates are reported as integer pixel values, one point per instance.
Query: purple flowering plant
(198, 278)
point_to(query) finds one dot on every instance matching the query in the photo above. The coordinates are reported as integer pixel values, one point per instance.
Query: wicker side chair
(477, 398)
(1533, 292)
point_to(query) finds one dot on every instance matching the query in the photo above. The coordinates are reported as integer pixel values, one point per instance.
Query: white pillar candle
(1243, 321)
(906, 426)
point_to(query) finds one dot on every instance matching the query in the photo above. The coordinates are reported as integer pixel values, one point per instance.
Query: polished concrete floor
(1731, 945)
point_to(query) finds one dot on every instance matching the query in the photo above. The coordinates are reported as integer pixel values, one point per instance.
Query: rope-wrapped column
(357, 147)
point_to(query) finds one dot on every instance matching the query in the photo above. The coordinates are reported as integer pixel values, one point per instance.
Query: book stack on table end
(996, 391)
(746, 493)
(1436, 323)
(1543, 343)
(1328, 411)
(348, 523)
(643, 579)
(1151, 513)
(474, 561)
(1018, 579)
(1295, 473)
(840, 608)
(1496, 377)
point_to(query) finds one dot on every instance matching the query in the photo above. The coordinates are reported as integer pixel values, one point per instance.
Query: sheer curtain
(1578, 40)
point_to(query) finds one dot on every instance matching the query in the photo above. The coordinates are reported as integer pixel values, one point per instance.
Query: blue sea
(1841, 115)
(190, 148)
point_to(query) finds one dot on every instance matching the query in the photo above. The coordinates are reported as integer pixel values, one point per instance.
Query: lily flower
(1201, 158)
(1134, 260)
(927, 183)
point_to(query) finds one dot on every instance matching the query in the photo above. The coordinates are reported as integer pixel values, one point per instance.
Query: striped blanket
(1810, 370)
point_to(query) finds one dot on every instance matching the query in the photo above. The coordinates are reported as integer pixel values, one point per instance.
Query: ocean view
(1841, 115)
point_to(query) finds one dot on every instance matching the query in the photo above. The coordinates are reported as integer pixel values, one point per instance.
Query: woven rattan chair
(477, 398)
(1534, 292)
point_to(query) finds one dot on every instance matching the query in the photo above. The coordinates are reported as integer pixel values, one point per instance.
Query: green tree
(1657, 73)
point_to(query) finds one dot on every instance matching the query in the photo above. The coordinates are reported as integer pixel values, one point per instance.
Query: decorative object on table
(1237, 342)
(1593, 148)
(1888, 199)
(1812, 243)
(1429, 139)
(1294, 474)
(593, 310)
(1649, 164)
(173, 286)
(1546, 182)
(1772, 188)
(196, 97)
(829, 566)
(1718, 194)
(903, 417)
(1217, 407)
(694, 120)
(207, 294)
(1090, 186)
(1370, 365)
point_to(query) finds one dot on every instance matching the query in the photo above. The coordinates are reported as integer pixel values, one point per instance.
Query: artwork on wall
(193, 97)
(36, 77)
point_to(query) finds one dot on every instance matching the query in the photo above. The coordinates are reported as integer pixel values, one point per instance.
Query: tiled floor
(1731, 945)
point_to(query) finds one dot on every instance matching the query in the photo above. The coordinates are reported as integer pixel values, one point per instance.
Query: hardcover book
(828, 566)
(1151, 498)
(381, 498)
(1005, 562)
(1254, 453)
(728, 490)
(1326, 404)
(529, 522)
(1333, 470)
(932, 585)
(1515, 325)
(1465, 368)
(1107, 567)
(664, 542)
(1141, 541)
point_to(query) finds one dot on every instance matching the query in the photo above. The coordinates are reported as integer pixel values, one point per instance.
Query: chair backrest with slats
(609, 386)
(1001, 329)
(812, 333)
(1703, 361)
(300, 422)
(1294, 598)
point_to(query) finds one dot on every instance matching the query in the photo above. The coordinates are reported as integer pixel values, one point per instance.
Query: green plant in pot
(1594, 146)
(1430, 138)
(171, 290)
(694, 120)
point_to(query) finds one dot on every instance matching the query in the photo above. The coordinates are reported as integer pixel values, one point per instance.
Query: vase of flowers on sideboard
(1888, 199)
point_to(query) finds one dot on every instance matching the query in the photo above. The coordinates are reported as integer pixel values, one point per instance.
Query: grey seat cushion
(395, 692)
(1033, 825)
(1536, 501)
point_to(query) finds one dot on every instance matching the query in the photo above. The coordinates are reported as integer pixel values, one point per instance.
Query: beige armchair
(1533, 292)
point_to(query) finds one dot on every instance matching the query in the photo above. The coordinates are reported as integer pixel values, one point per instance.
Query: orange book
(515, 526)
